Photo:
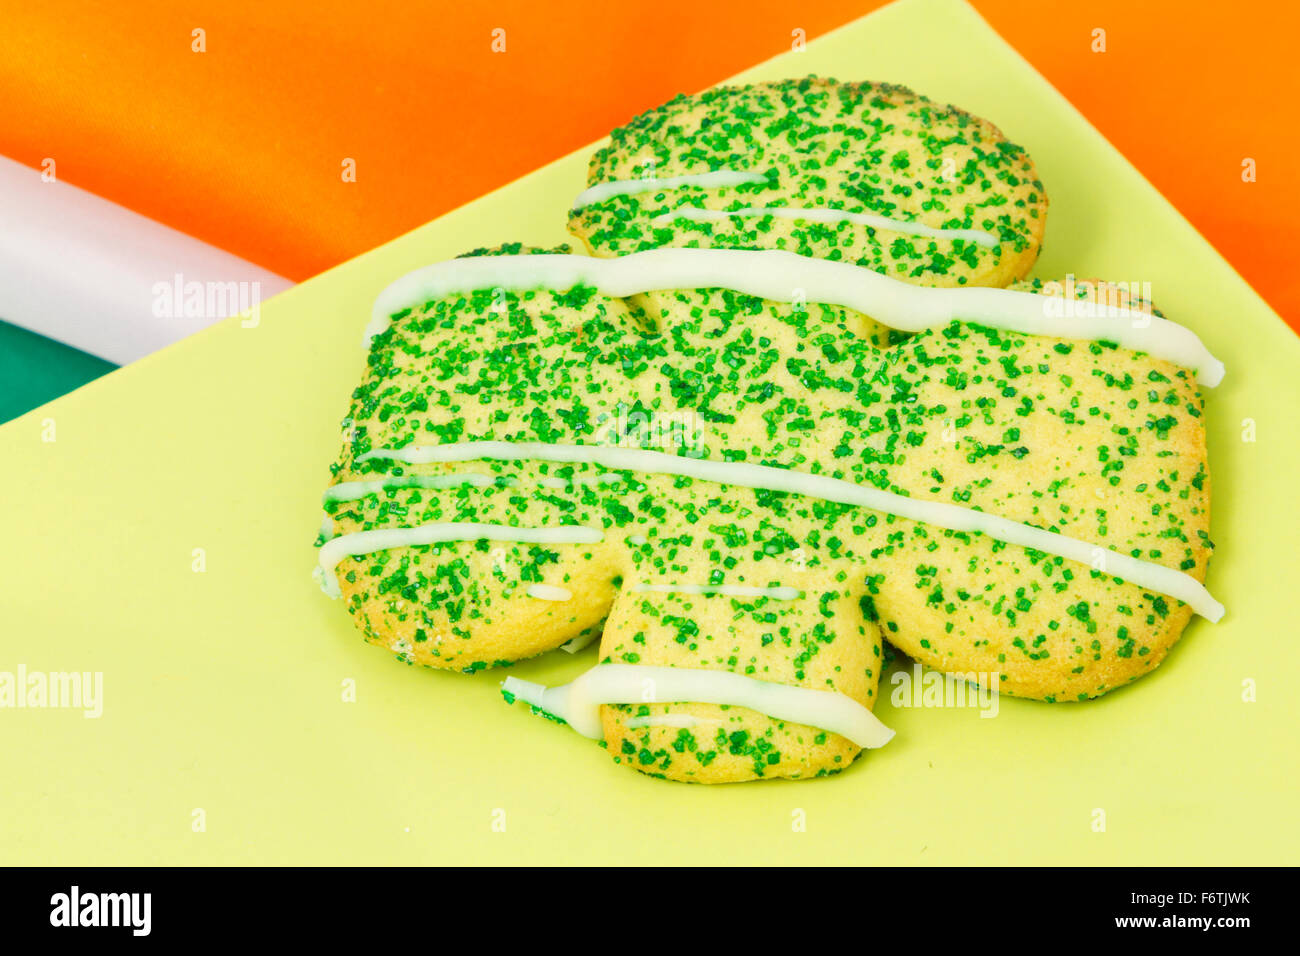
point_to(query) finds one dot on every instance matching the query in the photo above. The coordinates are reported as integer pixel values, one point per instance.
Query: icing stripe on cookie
(777, 593)
(573, 645)
(1175, 584)
(629, 187)
(822, 214)
(578, 703)
(355, 490)
(549, 592)
(368, 542)
(785, 276)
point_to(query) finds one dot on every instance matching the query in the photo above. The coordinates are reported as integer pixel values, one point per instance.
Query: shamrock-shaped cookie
(703, 448)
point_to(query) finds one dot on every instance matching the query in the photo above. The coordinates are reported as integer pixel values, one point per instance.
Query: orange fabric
(243, 145)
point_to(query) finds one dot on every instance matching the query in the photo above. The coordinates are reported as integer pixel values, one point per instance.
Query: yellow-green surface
(223, 689)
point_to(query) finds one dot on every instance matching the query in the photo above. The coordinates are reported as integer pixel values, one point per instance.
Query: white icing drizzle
(1176, 584)
(822, 214)
(354, 490)
(549, 592)
(368, 542)
(578, 703)
(721, 178)
(573, 645)
(778, 593)
(784, 276)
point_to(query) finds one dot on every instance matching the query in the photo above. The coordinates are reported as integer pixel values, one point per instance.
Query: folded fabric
(91, 274)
